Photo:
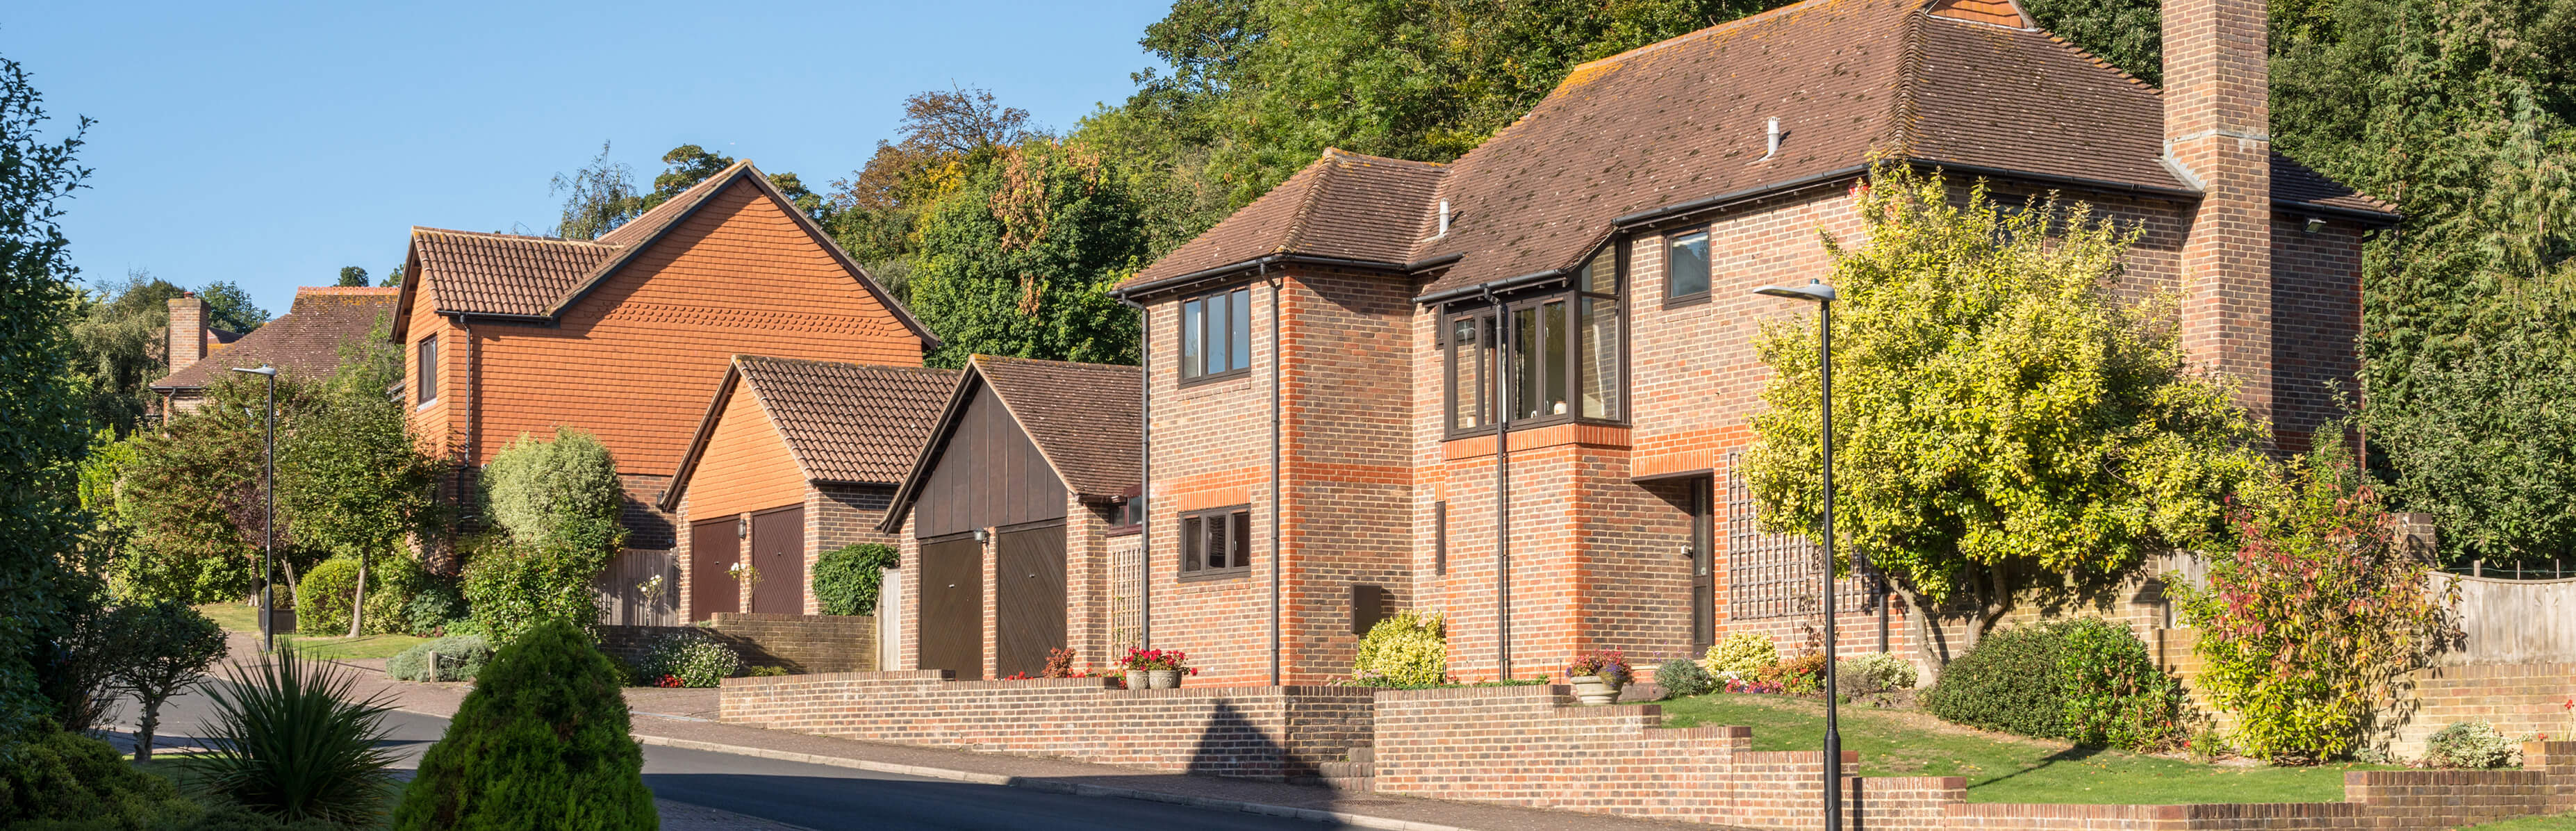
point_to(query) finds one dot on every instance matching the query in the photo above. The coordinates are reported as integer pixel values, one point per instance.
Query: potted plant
(1597, 676)
(1155, 669)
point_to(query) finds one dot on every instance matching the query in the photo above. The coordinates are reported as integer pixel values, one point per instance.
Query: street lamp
(1823, 296)
(268, 547)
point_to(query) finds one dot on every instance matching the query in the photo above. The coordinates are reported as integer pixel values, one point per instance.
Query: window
(1562, 352)
(1216, 334)
(427, 373)
(1686, 267)
(1128, 516)
(1216, 543)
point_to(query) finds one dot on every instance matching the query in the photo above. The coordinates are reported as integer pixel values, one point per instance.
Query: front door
(778, 551)
(1703, 557)
(952, 605)
(1028, 597)
(713, 548)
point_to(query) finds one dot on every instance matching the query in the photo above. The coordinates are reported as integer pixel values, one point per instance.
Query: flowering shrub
(2473, 744)
(1743, 652)
(691, 657)
(1611, 666)
(1739, 685)
(1797, 676)
(1407, 650)
(1147, 660)
(672, 681)
(1059, 663)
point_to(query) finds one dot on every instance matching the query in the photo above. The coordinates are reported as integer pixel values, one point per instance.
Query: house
(1017, 519)
(1511, 388)
(629, 335)
(793, 459)
(303, 343)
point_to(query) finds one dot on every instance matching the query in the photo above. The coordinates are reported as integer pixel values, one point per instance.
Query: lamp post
(268, 547)
(1823, 296)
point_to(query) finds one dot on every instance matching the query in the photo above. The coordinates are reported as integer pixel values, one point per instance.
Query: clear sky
(270, 144)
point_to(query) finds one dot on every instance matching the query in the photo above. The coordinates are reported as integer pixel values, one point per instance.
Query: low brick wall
(800, 643)
(1249, 732)
(1526, 746)
(2519, 699)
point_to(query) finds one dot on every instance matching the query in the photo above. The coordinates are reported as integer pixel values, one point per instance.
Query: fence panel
(627, 595)
(2515, 622)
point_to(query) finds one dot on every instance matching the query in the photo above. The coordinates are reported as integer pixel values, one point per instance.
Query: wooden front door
(1028, 597)
(778, 550)
(952, 605)
(714, 546)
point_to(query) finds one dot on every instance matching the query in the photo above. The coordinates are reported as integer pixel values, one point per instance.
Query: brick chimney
(187, 337)
(2218, 136)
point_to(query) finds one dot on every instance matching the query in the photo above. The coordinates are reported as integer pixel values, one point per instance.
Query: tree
(191, 495)
(559, 490)
(1997, 409)
(161, 648)
(349, 473)
(118, 344)
(690, 164)
(393, 277)
(41, 397)
(541, 742)
(601, 196)
(230, 308)
(351, 275)
(1018, 259)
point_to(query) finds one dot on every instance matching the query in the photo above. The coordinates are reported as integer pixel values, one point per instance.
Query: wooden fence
(2515, 622)
(627, 595)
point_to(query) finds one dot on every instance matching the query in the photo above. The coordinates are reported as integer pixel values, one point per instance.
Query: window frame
(1501, 341)
(424, 355)
(1181, 318)
(1192, 546)
(1708, 230)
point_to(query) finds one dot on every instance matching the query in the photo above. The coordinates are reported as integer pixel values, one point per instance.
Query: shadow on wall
(1232, 744)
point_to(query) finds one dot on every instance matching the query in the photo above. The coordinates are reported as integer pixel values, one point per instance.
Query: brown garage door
(1028, 597)
(778, 550)
(951, 629)
(713, 545)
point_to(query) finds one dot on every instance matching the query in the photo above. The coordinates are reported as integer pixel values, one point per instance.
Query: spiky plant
(292, 741)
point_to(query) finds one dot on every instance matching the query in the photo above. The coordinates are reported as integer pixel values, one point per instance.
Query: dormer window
(1560, 352)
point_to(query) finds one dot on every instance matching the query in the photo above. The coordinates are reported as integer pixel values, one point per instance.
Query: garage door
(952, 605)
(713, 546)
(1028, 597)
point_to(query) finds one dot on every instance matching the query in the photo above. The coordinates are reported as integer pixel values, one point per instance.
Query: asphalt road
(827, 798)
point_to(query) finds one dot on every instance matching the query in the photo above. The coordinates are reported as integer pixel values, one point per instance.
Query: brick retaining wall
(800, 643)
(1249, 732)
(2519, 699)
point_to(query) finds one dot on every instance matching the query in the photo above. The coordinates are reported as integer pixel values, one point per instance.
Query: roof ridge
(739, 358)
(1020, 360)
(770, 411)
(1903, 112)
(418, 230)
(1678, 40)
(2097, 60)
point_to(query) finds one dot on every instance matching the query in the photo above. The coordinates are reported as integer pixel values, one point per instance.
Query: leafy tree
(351, 275)
(1997, 409)
(1018, 259)
(563, 490)
(161, 648)
(601, 196)
(230, 308)
(117, 340)
(41, 396)
(191, 496)
(350, 476)
(393, 277)
(691, 164)
(542, 742)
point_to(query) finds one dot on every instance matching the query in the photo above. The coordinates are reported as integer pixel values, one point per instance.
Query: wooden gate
(713, 547)
(952, 605)
(1028, 597)
(778, 550)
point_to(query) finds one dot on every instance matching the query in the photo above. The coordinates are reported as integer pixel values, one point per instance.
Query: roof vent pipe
(1771, 146)
(1444, 220)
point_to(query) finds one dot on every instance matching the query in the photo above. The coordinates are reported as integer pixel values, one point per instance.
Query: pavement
(713, 775)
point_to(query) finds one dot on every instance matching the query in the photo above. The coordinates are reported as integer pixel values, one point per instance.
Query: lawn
(241, 618)
(2561, 822)
(2002, 768)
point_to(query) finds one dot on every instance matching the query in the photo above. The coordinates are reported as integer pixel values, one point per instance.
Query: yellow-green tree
(1999, 412)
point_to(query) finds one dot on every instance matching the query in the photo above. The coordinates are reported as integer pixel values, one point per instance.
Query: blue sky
(271, 144)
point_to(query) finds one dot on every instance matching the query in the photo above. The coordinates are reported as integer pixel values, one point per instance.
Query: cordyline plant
(2307, 627)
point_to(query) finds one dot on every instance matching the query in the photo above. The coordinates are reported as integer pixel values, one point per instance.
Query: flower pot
(1164, 679)
(1136, 679)
(1594, 689)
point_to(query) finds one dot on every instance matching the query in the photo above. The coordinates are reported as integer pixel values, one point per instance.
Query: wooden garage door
(778, 550)
(952, 605)
(1028, 597)
(713, 545)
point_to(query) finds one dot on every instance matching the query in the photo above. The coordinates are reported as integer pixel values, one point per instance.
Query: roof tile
(305, 342)
(846, 422)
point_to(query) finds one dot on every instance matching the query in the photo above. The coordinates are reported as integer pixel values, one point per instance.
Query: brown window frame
(1235, 525)
(425, 357)
(1493, 335)
(1126, 516)
(1708, 256)
(1193, 369)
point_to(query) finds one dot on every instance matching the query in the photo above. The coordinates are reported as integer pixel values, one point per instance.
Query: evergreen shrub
(1682, 677)
(846, 580)
(2009, 681)
(561, 491)
(542, 742)
(2474, 744)
(1407, 649)
(433, 607)
(2115, 694)
(513, 587)
(327, 591)
(694, 657)
(1874, 673)
(74, 781)
(1743, 653)
(460, 657)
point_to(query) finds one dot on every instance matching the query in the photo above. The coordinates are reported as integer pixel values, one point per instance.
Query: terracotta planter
(1164, 679)
(1594, 689)
(1136, 679)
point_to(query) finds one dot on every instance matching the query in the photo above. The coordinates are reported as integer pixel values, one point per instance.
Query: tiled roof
(305, 342)
(1685, 119)
(1084, 417)
(849, 422)
(1344, 205)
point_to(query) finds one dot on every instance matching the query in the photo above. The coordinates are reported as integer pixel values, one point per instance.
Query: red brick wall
(1348, 481)
(1211, 448)
(1249, 732)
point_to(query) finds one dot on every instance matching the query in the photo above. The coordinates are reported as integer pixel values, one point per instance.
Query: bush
(460, 657)
(235, 818)
(1874, 673)
(2473, 744)
(2009, 681)
(695, 658)
(1404, 650)
(1682, 677)
(1743, 653)
(393, 582)
(542, 742)
(326, 593)
(1796, 676)
(292, 741)
(513, 587)
(559, 492)
(846, 580)
(160, 649)
(434, 607)
(71, 778)
(2115, 694)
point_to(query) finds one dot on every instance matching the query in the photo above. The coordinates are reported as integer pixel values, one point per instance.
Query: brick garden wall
(800, 643)
(1249, 732)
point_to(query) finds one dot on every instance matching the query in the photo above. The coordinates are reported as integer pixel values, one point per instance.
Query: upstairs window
(1686, 267)
(1216, 543)
(425, 376)
(1562, 354)
(1216, 335)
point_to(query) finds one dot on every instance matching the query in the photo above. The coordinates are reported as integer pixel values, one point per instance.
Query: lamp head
(1814, 290)
(263, 369)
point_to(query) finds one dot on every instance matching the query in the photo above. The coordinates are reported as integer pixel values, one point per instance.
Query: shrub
(326, 594)
(513, 587)
(160, 649)
(1874, 673)
(236, 818)
(1407, 649)
(1796, 676)
(542, 742)
(1743, 653)
(2115, 694)
(555, 492)
(846, 580)
(692, 656)
(438, 603)
(460, 657)
(293, 741)
(1681, 677)
(2009, 681)
(2473, 744)
(393, 582)
(68, 777)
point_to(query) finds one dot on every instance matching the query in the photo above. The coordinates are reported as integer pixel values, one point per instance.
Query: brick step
(1351, 784)
(1363, 754)
(1347, 770)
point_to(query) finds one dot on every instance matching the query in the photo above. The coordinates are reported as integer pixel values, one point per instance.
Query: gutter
(1145, 478)
(1486, 289)
(1261, 264)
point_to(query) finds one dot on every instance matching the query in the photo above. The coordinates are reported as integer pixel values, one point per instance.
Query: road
(826, 798)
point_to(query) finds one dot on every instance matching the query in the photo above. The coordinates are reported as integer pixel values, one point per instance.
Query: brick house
(793, 459)
(304, 343)
(1330, 362)
(629, 335)
(1016, 519)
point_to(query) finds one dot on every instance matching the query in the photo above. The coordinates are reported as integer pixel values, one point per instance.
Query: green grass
(241, 618)
(2001, 768)
(2561, 822)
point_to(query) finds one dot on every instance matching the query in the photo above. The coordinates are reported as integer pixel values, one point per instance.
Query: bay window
(1561, 351)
